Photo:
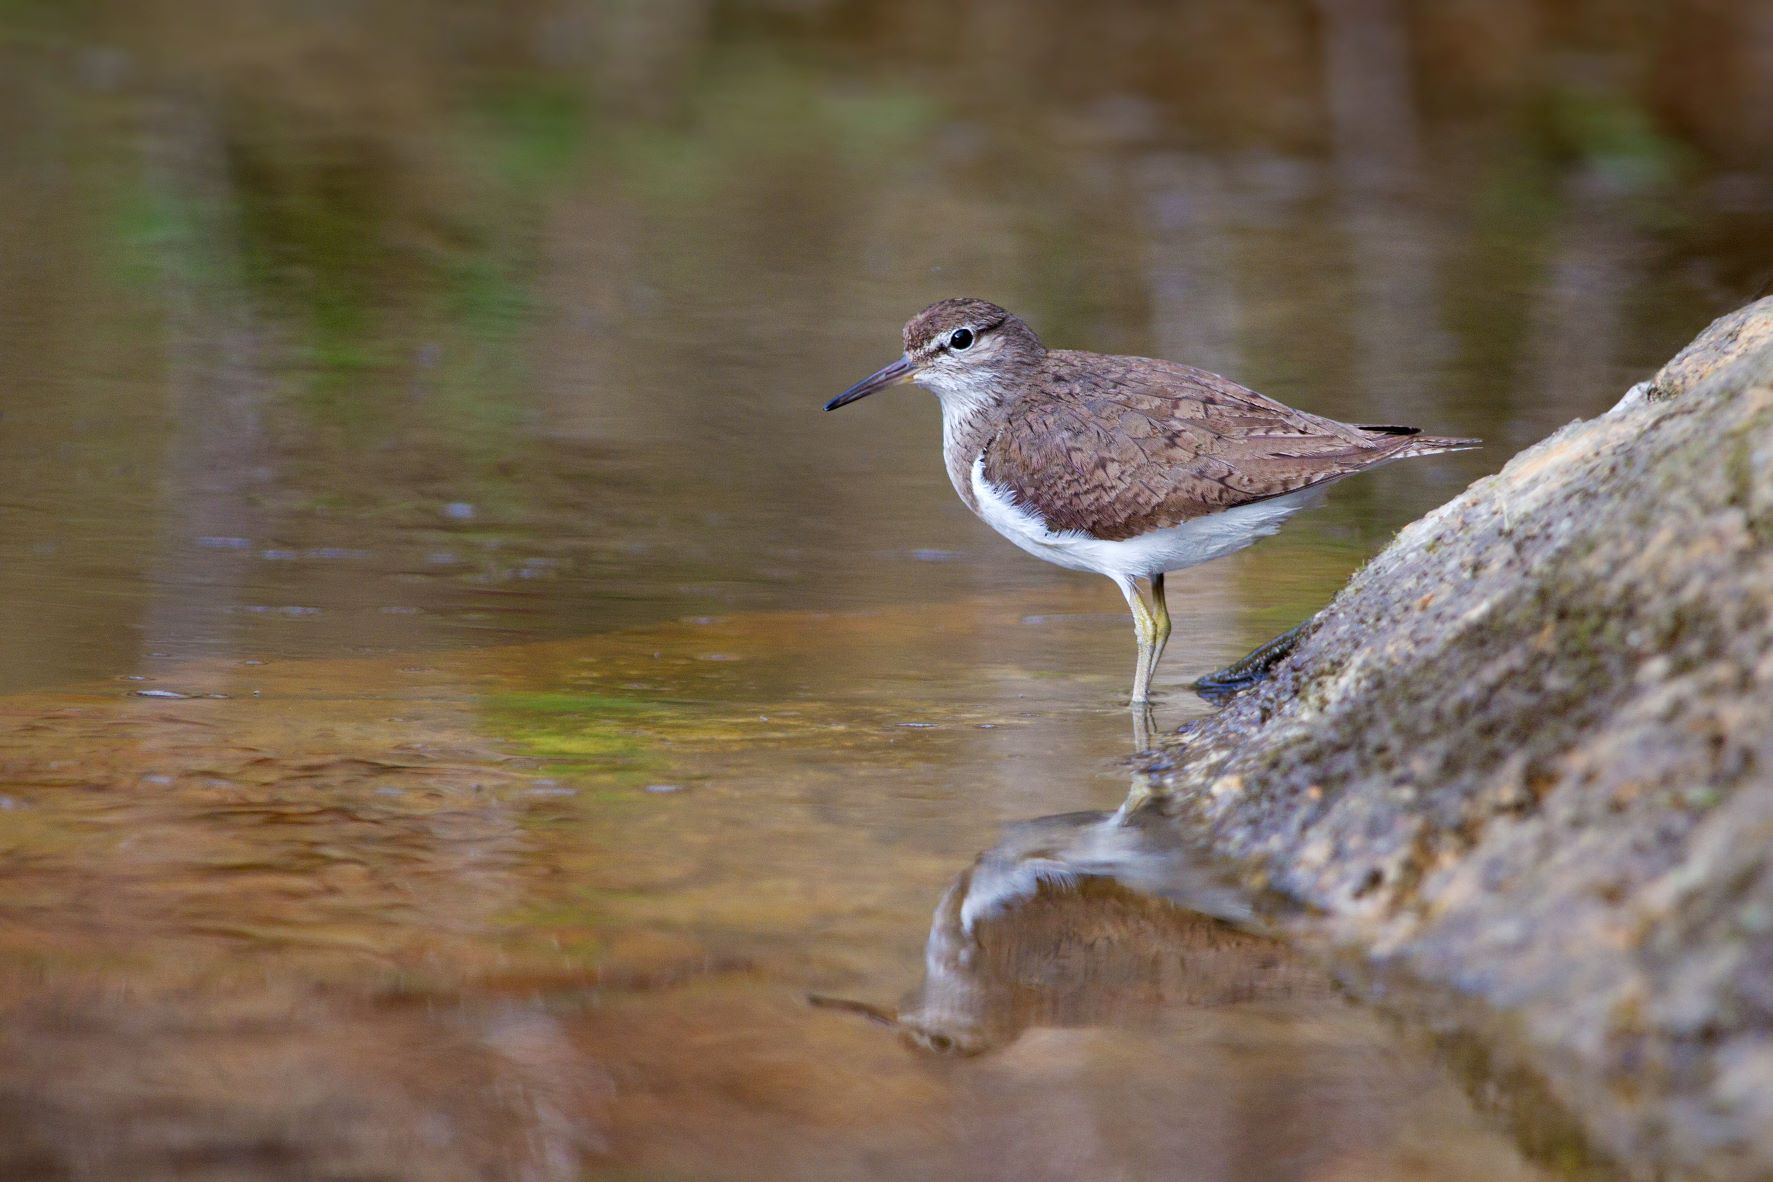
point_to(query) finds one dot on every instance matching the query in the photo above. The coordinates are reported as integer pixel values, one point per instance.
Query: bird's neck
(969, 418)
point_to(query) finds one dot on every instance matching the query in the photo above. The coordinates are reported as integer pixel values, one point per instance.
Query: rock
(1527, 755)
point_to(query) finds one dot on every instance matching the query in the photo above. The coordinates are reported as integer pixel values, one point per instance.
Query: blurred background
(457, 692)
(400, 324)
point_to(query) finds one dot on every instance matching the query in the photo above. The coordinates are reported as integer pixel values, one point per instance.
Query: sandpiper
(1126, 466)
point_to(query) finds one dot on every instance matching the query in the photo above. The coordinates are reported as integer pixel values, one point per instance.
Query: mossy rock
(1527, 754)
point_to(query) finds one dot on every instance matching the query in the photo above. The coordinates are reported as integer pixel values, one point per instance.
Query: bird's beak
(891, 375)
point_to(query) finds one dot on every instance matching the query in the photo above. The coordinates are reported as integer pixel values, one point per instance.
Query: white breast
(1189, 544)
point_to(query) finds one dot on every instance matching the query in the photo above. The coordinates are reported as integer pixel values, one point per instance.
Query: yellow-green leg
(1145, 630)
(1160, 618)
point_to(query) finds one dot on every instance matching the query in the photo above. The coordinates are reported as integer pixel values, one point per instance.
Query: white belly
(1179, 546)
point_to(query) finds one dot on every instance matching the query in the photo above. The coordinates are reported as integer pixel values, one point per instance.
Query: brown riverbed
(460, 697)
(554, 910)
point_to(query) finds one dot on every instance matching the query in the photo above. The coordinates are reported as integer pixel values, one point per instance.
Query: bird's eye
(960, 339)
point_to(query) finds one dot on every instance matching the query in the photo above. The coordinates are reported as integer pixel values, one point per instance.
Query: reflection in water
(1085, 919)
(351, 352)
(427, 918)
(1106, 924)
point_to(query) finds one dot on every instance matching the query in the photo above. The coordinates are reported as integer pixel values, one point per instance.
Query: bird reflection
(1084, 919)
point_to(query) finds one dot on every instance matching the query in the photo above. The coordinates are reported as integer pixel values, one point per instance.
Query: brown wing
(1128, 444)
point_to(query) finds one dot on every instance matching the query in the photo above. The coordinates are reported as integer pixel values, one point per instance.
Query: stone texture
(1527, 754)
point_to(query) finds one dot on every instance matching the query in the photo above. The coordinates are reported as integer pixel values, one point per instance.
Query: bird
(1129, 467)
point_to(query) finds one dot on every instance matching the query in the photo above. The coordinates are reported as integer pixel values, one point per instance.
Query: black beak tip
(853, 394)
(889, 375)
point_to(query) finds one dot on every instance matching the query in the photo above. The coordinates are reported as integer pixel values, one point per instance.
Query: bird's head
(969, 352)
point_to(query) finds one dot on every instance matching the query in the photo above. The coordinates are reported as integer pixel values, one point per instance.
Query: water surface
(461, 697)
(555, 910)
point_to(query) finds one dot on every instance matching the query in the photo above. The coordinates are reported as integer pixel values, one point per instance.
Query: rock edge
(1527, 754)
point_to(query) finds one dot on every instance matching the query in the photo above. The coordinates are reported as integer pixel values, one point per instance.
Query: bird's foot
(1251, 669)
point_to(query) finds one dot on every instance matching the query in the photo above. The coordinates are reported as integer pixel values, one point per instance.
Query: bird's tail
(1434, 445)
(1423, 445)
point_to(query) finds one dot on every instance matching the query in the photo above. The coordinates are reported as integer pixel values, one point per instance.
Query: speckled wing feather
(1118, 446)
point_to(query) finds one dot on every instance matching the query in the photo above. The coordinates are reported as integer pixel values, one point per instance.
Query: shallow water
(461, 698)
(555, 910)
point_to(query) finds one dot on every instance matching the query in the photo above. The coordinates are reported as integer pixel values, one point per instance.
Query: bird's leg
(1145, 628)
(1160, 618)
